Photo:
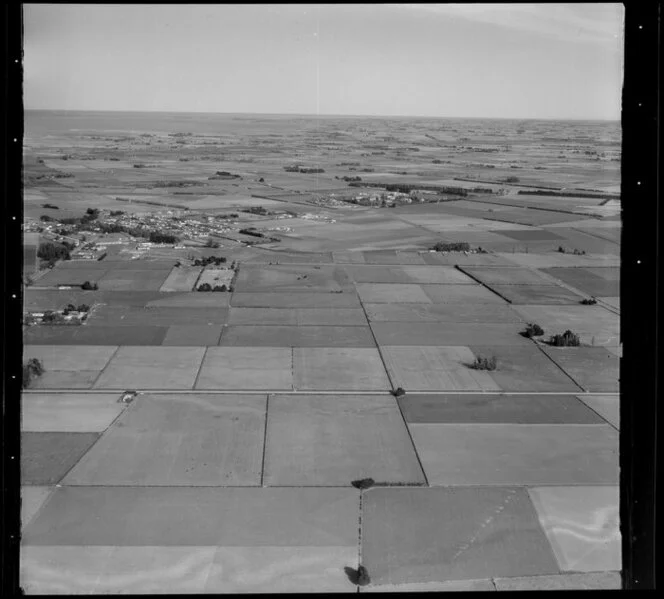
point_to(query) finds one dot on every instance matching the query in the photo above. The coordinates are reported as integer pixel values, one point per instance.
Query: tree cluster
(225, 175)
(90, 215)
(533, 330)
(461, 246)
(156, 237)
(153, 236)
(484, 363)
(173, 184)
(257, 210)
(408, 187)
(303, 169)
(52, 252)
(588, 301)
(32, 369)
(71, 308)
(216, 260)
(566, 339)
(567, 194)
(252, 231)
(208, 287)
(52, 317)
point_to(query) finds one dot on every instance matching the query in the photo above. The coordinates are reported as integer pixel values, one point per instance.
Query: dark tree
(162, 237)
(69, 308)
(53, 251)
(32, 369)
(49, 316)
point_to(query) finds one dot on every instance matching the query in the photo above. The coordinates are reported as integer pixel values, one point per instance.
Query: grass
(484, 363)
(533, 330)
(566, 339)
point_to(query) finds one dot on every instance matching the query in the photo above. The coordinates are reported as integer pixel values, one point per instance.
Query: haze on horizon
(523, 61)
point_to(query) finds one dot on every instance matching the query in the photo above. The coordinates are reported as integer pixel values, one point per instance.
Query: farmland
(289, 330)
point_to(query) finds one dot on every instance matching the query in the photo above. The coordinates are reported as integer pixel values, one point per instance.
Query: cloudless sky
(498, 60)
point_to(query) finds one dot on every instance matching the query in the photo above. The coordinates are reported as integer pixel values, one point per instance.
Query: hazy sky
(472, 60)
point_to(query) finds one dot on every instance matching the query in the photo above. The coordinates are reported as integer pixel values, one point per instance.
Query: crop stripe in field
(267, 407)
(560, 367)
(106, 431)
(359, 536)
(482, 283)
(597, 236)
(373, 335)
(117, 348)
(200, 367)
(608, 307)
(198, 278)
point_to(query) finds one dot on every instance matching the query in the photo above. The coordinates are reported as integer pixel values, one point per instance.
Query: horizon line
(313, 115)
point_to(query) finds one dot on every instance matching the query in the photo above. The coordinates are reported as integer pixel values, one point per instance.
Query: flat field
(181, 279)
(349, 349)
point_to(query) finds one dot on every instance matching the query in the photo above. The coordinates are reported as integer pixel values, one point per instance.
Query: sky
(543, 61)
